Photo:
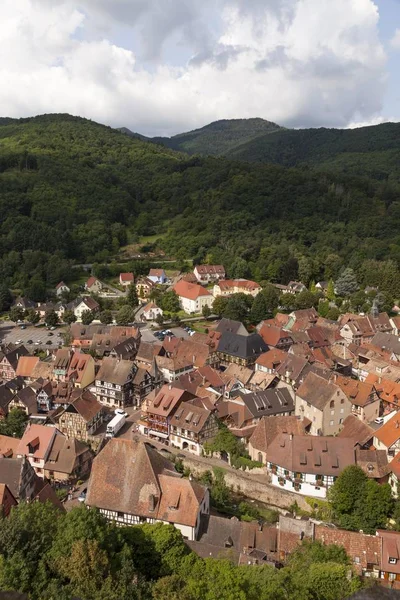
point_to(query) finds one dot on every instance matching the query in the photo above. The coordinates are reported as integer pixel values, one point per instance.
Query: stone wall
(251, 485)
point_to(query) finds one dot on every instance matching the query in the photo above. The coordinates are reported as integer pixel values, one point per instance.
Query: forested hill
(216, 139)
(74, 191)
(374, 150)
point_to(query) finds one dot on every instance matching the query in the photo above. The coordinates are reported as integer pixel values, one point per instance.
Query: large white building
(193, 297)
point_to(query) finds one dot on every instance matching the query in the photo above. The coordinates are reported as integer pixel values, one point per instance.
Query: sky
(160, 67)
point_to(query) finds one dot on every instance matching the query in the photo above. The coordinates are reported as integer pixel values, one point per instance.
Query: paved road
(41, 337)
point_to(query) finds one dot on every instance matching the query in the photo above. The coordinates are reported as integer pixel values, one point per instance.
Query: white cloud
(395, 41)
(296, 62)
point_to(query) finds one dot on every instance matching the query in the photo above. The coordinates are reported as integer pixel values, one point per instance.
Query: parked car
(53, 328)
(49, 342)
(23, 326)
(29, 342)
(379, 421)
(19, 342)
(49, 334)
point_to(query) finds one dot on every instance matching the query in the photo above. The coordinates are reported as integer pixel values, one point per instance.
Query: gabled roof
(191, 291)
(317, 391)
(86, 405)
(39, 437)
(269, 402)
(242, 346)
(269, 427)
(167, 399)
(273, 335)
(114, 370)
(156, 273)
(272, 359)
(126, 276)
(358, 392)
(311, 454)
(158, 491)
(359, 432)
(8, 446)
(228, 325)
(389, 433)
(210, 269)
(244, 284)
(92, 280)
(64, 454)
(26, 364)
(14, 355)
(11, 474)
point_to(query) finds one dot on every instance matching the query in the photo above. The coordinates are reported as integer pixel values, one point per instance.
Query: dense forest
(54, 556)
(73, 191)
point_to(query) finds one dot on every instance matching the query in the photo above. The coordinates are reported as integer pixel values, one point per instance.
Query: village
(124, 417)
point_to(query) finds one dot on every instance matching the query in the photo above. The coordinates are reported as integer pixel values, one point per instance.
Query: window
(332, 413)
(357, 560)
(392, 561)
(340, 421)
(332, 404)
(342, 401)
(331, 423)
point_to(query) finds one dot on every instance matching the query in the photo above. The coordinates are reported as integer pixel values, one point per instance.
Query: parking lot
(148, 334)
(32, 337)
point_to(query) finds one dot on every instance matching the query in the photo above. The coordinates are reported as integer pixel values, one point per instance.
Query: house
(323, 403)
(374, 463)
(174, 367)
(268, 362)
(35, 445)
(151, 311)
(191, 426)
(227, 287)
(145, 381)
(243, 413)
(19, 476)
(241, 349)
(114, 383)
(387, 343)
(26, 400)
(68, 460)
(24, 303)
(293, 287)
(387, 437)
(81, 305)
(7, 500)
(361, 433)
(102, 338)
(193, 297)
(82, 416)
(126, 279)
(207, 273)
(267, 430)
(62, 288)
(157, 414)
(365, 403)
(144, 287)
(390, 557)
(159, 494)
(197, 353)
(26, 366)
(157, 276)
(322, 286)
(126, 350)
(230, 326)
(200, 381)
(357, 331)
(93, 285)
(308, 464)
(9, 362)
(81, 370)
(275, 337)
(8, 446)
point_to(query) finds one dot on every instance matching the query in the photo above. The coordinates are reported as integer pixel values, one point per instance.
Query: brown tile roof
(211, 338)
(193, 352)
(269, 427)
(273, 335)
(156, 272)
(362, 549)
(374, 463)
(291, 532)
(317, 391)
(173, 364)
(390, 549)
(355, 429)
(272, 359)
(40, 437)
(11, 470)
(242, 374)
(237, 413)
(126, 276)
(26, 364)
(158, 493)
(210, 269)
(191, 291)
(244, 284)
(8, 446)
(42, 370)
(91, 281)
(114, 370)
(389, 433)
(293, 365)
(394, 466)
(64, 454)
(147, 352)
(191, 417)
(358, 392)
(47, 494)
(167, 399)
(86, 405)
(7, 500)
(261, 380)
(311, 454)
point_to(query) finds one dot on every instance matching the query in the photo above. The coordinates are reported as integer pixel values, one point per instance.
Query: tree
(206, 311)
(5, 298)
(287, 301)
(346, 283)
(17, 314)
(169, 302)
(330, 291)
(106, 317)
(69, 317)
(14, 424)
(239, 268)
(219, 305)
(32, 316)
(87, 317)
(131, 296)
(259, 310)
(159, 319)
(125, 315)
(52, 318)
(306, 299)
(237, 307)
(357, 300)
(271, 296)
(360, 503)
(333, 314)
(36, 290)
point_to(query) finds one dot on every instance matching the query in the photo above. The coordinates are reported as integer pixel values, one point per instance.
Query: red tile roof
(191, 291)
(126, 276)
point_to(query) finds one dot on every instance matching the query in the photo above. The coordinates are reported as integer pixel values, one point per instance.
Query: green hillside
(220, 137)
(72, 190)
(373, 150)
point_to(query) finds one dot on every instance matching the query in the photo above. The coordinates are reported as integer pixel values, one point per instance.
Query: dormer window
(392, 561)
